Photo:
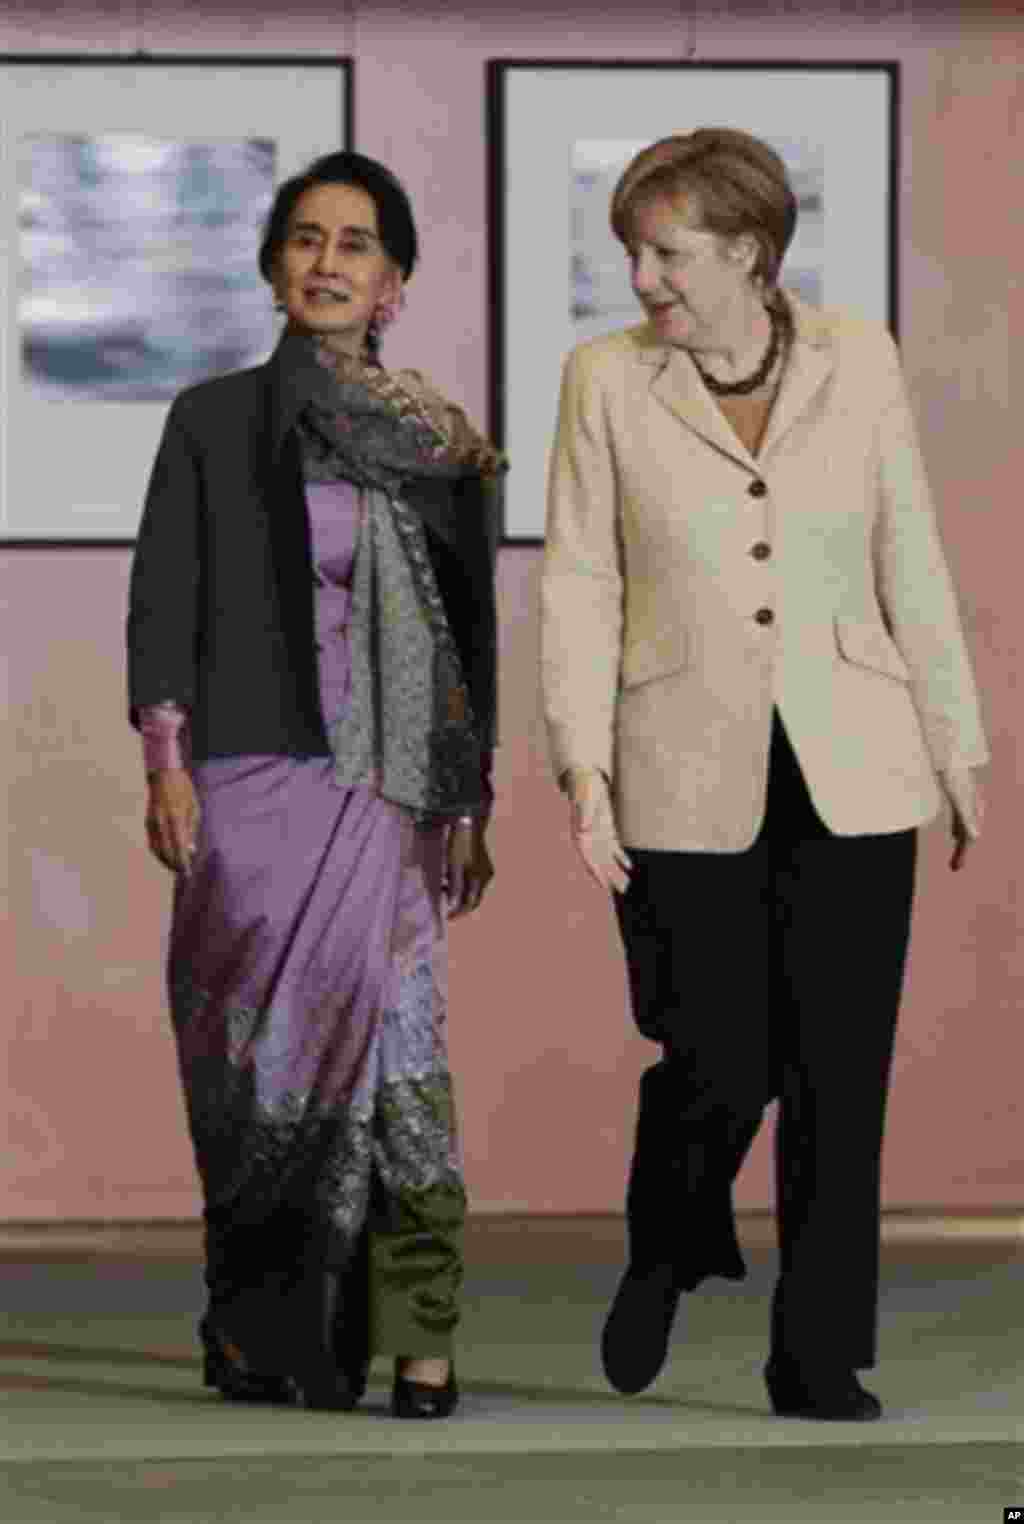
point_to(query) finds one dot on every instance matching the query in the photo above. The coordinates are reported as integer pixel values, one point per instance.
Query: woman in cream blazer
(757, 688)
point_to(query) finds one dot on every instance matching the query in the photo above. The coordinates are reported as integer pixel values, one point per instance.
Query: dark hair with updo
(395, 221)
(738, 184)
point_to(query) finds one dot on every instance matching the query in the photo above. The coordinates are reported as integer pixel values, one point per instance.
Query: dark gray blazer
(221, 599)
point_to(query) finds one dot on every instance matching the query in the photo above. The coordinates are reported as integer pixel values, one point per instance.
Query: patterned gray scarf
(408, 729)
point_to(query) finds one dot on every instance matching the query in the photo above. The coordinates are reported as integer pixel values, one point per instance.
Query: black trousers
(774, 973)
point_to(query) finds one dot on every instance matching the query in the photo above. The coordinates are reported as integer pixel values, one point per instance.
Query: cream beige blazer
(689, 587)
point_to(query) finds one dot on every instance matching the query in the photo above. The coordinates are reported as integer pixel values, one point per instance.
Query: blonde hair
(738, 184)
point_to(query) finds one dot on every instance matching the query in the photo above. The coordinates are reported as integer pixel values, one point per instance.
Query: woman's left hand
(470, 869)
(968, 806)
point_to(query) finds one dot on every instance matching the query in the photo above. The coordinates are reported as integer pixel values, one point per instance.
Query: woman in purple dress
(311, 644)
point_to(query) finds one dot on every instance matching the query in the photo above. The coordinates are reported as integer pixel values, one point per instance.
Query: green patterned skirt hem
(415, 1270)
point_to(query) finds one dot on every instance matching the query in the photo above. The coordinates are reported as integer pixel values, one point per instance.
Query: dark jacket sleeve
(471, 599)
(463, 523)
(492, 520)
(163, 598)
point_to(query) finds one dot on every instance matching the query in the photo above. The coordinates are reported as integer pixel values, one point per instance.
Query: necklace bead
(758, 378)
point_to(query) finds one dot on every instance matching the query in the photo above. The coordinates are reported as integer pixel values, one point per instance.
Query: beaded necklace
(760, 375)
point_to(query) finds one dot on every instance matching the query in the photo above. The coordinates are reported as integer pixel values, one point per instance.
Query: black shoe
(636, 1332)
(311, 1378)
(285, 1328)
(238, 1383)
(415, 1399)
(835, 1395)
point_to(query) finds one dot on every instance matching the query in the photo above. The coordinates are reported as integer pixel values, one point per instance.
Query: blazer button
(761, 551)
(765, 616)
(758, 488)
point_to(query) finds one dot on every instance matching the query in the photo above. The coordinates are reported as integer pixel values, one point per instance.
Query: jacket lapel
(294, 377)
(284, 397)
(811, 362)
(677, 386)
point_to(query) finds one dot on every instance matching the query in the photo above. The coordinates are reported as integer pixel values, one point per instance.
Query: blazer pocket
(646, 659)
(869, 645)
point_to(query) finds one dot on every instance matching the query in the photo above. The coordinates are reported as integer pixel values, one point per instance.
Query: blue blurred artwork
(138, 263)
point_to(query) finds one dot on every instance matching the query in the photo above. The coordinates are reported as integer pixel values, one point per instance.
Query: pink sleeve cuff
(164, 736)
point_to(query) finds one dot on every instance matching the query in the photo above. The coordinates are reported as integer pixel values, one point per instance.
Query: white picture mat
(79, 470)
(547, 109)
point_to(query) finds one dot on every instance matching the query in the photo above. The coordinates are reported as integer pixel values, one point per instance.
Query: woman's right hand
(172, 818)
(592, 823)
(968, 810)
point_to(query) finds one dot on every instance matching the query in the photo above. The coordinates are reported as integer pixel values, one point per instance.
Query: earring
(386, 312)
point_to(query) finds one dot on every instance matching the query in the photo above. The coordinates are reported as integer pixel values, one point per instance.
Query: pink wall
(540, 1039)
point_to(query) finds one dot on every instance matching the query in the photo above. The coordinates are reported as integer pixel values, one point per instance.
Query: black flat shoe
(634, 1342)
(312, 1378)
(415, 1399)
(237, 1383)
(835, 1396)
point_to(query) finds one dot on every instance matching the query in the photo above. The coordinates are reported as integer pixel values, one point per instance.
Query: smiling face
(694, 285)
(332, 270)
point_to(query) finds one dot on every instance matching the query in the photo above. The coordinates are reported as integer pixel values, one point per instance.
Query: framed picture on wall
(132, 198)
(562, 132)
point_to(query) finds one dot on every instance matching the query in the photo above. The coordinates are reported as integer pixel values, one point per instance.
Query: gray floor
(105, 1419)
